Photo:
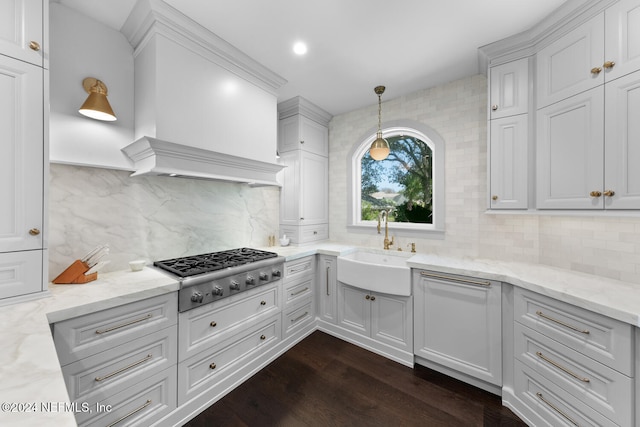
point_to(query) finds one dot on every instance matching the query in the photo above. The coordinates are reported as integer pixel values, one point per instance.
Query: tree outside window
(402, 183)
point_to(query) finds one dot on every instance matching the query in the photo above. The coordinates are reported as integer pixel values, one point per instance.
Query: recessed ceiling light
(300, 48)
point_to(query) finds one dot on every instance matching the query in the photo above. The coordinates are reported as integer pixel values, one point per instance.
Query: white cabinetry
(22, 24)
(458, 327)
(326, 290)
(573, 366)
(303, 147)
(22, 150)
(383, 323)
(299, 312)
(124, 357)
(509, 135)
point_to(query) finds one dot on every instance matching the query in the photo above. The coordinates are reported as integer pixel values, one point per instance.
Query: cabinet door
(21, 155)
(622, 38)
(570, 147)
(392, 320)
(508, 162)
(21, 23)
(314, 188)
(354, 309)
(327, 288)
(300, 133)
(458, 324)
(290, 192)
(564, 68)
(622, 143)
(20, 273)
(509, 88)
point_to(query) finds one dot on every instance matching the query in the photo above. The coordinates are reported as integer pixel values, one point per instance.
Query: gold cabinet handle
(212, 366)
(262, 337)
(263, 303)
(367, 297)
(113, 328)
(596, 70)
(328, 267)
(33, 45)
(609, 193)
(562, 368)
(126, 368)
(494, 107)
(135, 411)
(302, 141)
(213, 324)
(555, 408)
(34, 231)
(302, 316)
(456, 279)
(494, 198)
(595, 193)
(560, 322)
(299, 292)
(609, 64)
(373, 298)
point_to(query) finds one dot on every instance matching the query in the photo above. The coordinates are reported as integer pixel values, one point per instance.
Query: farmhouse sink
(376, 271)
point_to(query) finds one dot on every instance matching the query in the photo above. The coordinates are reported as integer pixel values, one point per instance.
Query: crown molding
(303, 107)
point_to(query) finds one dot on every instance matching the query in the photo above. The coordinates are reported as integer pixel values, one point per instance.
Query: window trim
(436, 143)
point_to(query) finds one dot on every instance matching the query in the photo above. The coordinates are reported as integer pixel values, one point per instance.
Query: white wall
(608, 247)
(82, 47)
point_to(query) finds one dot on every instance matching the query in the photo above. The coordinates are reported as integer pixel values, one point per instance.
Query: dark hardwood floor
(324, 381)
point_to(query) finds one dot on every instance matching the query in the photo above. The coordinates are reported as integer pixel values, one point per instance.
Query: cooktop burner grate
(206, 263)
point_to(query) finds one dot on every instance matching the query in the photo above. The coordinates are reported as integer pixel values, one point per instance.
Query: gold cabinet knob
(367, 297)
(34, 231)
(494, 107)
(33, 45)
(373, 298)
(609, 193)
(262, 337)
(595, 194)
(263, 303)
(596, 70)
(609, 64)
(212, 366)
(494, 198)
(302, 141)
(213, 324)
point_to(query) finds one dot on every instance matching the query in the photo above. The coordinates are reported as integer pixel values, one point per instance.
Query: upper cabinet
(509, 94)
(22, 30)
(583, 131)
(300, 133)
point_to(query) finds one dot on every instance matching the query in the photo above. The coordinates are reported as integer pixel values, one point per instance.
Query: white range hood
(152, 156)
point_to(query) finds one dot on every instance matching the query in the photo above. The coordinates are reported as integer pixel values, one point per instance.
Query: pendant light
(97, 105)
(379, 149)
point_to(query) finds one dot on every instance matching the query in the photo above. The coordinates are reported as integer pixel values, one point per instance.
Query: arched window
(408, 184)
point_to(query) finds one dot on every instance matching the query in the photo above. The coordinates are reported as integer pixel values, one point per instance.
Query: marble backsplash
(151, 217)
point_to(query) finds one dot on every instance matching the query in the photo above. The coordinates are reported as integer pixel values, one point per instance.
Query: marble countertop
(30, 372)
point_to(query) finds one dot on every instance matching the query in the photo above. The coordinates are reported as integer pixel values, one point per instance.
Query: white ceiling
(354, 45)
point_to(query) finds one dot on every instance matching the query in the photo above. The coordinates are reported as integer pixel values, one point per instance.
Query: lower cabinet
(326, 290)
(385, 321)
(120, 364)
(457, 328)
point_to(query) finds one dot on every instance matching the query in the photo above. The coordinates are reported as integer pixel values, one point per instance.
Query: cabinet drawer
(299, 268)
(204, 326)
(598, 386)
(297, 290)
(297, 318)
(604, 339)
(84, 336)
(140, 405)
(118, 368)
(312, 233)
(210, 367)
(549, 405)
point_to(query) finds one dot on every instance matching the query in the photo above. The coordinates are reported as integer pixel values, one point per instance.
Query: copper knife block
(74, 274)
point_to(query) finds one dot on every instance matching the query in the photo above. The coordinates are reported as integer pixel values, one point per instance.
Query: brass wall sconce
(96, 106)
(379, 149)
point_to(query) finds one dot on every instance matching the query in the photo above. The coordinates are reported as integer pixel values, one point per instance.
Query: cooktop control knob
(264, 276)
(250, 280)
(196, 297)
(234, 286)
(276, 273)
(217, 290)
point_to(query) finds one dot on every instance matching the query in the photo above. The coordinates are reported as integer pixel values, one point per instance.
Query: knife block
(74, 274)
